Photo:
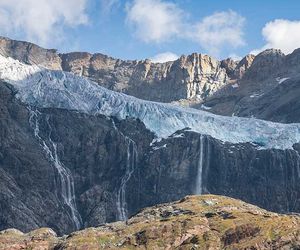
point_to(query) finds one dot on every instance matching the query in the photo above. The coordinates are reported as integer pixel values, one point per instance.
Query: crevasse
(56, 89)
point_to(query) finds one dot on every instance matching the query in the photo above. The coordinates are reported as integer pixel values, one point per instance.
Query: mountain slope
(195, 222)
(267, 91)
(104, 160)
(246, 88)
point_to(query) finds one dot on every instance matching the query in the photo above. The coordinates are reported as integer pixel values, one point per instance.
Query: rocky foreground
(195, 222)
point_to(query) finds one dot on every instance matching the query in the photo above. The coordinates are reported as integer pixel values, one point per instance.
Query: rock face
(195, 222)
(116, 169)
(76, 155)
(30, 53)
(264, 86)
(267, 91)
(193, 77)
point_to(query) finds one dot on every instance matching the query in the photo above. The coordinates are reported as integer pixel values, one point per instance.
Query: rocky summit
(194, 222)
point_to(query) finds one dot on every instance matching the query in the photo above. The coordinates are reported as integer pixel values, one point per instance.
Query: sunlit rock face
(193, 78)
(30, 53)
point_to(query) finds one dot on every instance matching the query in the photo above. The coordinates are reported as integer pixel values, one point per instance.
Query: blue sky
(138, 29)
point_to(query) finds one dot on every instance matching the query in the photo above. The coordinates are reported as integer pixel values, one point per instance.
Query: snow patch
(205, 107)
(177, 135)
(256, 95)
(160, 147)
(235, 85)
(281, 80)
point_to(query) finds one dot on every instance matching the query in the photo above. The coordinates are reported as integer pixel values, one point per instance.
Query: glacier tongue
(43, 88)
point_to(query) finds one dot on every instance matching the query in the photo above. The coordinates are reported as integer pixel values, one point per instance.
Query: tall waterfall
(198, 189)
(122, 209)
(66, 181)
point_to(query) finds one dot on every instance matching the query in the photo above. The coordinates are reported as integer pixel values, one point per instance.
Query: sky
(161, 30)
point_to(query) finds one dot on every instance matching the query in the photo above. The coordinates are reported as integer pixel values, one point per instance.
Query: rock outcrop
(268, 90)
(195, 222)
(195, 76)
(30, 53)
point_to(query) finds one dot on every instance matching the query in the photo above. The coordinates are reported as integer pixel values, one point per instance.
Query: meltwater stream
(198, 189)
(65, 176)
(122, 208)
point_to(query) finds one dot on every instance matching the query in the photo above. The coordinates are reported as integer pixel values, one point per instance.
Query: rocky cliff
(94, 155)
(269, 90)
(192, 78)
(74, 154)
(195, 222)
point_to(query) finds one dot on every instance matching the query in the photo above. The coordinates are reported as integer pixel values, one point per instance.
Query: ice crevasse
(42, 88)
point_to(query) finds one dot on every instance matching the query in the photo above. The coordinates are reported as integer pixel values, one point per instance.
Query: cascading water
(198, 189)
(122, 209)
(65, 176)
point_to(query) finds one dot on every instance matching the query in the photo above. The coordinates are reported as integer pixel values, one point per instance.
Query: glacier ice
(43, 88)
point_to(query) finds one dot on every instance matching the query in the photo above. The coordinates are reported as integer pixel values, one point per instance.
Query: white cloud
(218, 30)
(164, 57)
(159, 21)
(154, 20)
(40, 21)
(281, 34)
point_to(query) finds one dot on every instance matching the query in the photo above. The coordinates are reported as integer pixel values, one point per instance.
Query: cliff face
(75, 155)
(30, 53)
(269, 90)
(193, 77)
(264, 86)
(195, 222)
(95, 169)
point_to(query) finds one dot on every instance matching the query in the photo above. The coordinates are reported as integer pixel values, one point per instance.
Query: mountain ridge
(224, 87)
(194, 76)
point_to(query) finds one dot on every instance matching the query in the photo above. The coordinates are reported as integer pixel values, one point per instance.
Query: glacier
(42, 88)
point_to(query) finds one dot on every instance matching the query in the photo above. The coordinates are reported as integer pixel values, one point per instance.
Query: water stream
(66, 181)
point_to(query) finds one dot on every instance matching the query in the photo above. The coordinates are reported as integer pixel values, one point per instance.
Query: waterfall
(65, 175)
(198, 189)
(122, 209)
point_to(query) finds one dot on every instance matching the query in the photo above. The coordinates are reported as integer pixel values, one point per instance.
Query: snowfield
(43, 88)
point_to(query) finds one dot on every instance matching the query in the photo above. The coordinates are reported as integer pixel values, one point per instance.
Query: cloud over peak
(281, 34)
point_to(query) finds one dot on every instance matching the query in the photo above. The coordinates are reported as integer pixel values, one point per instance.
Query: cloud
(41, 21)
(158, 21)
(281, 34)
(154, 20)
(164, 57)
(218, 30)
